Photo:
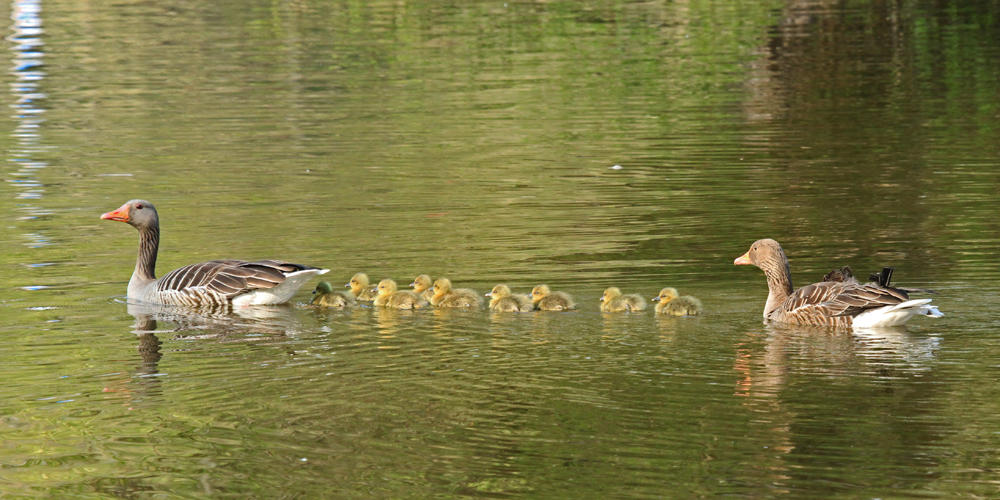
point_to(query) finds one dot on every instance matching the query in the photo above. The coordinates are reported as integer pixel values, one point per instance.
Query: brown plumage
(389, 295)
(502, 300)
(547, 300)
(614, 301)
(422, 286)
(446, 296)
(829, 303)
(361, 288)
(326, 297)
(669, 303)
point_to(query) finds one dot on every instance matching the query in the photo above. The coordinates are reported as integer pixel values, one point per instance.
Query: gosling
(422, 286)
(361, 289)
(614, 301)
(446, 296)
(669, 303)
(389, 295)
(326, 297)
(501, 300)
(547, 300)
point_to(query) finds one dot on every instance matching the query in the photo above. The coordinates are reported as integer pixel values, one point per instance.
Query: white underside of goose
(895, 315)
(279, 294)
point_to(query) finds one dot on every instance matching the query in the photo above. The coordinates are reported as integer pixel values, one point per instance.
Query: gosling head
(499, 292)
(666, 295)
(387, 287)
(358, 281)
(611, 294)
(441, 286)
(539, 292)
(323, 287)
(421, 283)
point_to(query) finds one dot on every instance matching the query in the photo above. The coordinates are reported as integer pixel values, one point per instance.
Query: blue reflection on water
(27, 96)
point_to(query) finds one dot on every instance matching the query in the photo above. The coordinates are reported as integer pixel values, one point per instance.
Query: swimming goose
(389, 295)
(361, 289)
(547, 300)
(212, 283)
(614, 301)
(670, 303)
(445, 296)
(326, 297)
(501, 300)
(829, 303)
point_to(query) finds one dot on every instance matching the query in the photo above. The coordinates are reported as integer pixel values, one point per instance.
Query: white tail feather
(895, 315)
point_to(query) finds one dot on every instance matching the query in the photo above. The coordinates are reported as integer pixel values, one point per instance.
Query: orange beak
(119, 215)
(743, 260)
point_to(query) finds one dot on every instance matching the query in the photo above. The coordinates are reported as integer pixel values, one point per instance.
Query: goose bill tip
(743, 260)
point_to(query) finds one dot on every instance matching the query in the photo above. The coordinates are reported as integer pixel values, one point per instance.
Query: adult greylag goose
(546, 300)
(614, 301)
(501, 300)
(668, 302)
(829, 303)
(212, 283)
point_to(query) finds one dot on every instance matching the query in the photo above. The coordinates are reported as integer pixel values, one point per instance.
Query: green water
(477, 141)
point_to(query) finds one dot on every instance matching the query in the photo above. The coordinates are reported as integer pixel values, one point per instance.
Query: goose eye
(138, 206)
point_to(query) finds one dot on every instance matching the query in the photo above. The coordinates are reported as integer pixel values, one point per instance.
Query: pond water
(579, 144)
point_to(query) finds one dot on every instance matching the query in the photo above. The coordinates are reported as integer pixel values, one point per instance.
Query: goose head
(140, 214)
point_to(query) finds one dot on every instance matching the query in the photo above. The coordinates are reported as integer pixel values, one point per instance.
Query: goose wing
(228, 277)
(834, 303)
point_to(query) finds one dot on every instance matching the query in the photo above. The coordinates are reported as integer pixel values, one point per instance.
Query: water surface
(583, 145)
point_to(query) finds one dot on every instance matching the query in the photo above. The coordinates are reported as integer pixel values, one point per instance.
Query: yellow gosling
(547, 300)
(670, 303)
(326, 297)
(390, 296)
(501, 300)
(422, 286)
(361, 289)
(446, 296)
(614, 301)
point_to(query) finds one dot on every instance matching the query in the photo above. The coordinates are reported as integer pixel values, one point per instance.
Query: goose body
(212, 283)
(668, 302)
(614, 301)
(501, 300)
(547, 300)
(845, 304)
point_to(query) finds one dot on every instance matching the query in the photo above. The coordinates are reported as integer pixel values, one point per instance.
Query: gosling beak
(348, 285)
(432, 290)
(414, 284)
(654, 299)
(743, 260)
(120, 215)
(489, 294)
